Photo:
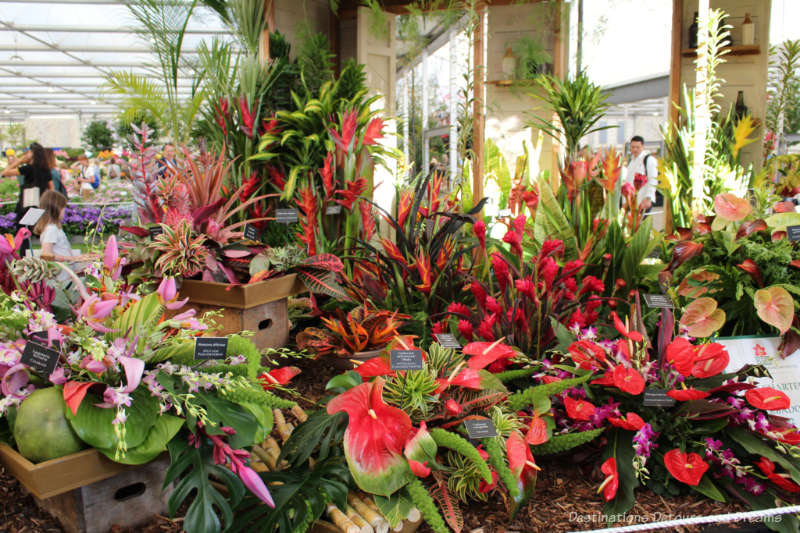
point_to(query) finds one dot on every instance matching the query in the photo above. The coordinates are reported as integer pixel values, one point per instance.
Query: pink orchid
(14, 382)
(168, 294)
(57, 376)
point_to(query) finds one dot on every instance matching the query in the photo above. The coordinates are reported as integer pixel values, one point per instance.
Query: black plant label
(39, 358)
(251, 233)
(405, 359)
(447, 340)
(210, 347)
(481, 428)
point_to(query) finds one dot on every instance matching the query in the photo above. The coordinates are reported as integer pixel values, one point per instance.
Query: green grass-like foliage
(528, 397)
(511, 375)
(497, 460)
(454, 442)
(427, 506)
(258, 397)
(562, 443)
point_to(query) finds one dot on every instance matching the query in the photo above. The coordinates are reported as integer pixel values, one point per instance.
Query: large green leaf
(757, 446)
(322, 433)
(781, 220)
(707, 488)
(93, 424)
(165, 428)
(139, 317)
(395, 508)
(552, 223)
(225, 413)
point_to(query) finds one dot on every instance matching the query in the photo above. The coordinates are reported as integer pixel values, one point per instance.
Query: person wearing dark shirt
(55, 172)
(34, 169)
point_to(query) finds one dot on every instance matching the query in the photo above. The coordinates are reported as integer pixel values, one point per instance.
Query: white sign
(764, 351)
(31, 217)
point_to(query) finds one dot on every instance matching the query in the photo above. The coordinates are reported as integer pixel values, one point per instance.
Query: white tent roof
(55, 54)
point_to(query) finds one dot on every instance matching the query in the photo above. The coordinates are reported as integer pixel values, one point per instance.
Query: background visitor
(88, 175)
(55, 173)
(645, 165)
(55, 244)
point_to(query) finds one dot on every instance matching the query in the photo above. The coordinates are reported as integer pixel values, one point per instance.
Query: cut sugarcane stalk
(414, 515)
(265, 456)
(341, 520)
(358, 520)
(280, 425)
(373, 518)
(299, 414)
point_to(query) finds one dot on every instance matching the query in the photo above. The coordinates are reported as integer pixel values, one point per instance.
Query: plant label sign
(333, 209)
(40, 337)
(285, 216)
(657, 398)
(251, 233)
(31, 216)
(658, 300)
(405, 359)
(155, 231)
(765, 351)
(210, 347)
(481, 428)
(40, 358)
(447, 340)
(793, 233)
(504, 213)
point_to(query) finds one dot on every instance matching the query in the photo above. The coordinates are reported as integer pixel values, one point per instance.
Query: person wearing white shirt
(643, 163)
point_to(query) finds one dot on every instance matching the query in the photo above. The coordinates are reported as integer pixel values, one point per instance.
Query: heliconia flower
(578, 409)
(353, 190)
(610, 485)
(466, 329)
(112, 262)
(453, 408)
(374, 131)
(783, 481)
(682, 252)
(684, 395)
(537, 431)
(270, 127)
(278, 376)
(631, 421)
(375, 437)
(628, 380)
(768, 399)
(247, 117)
(404, 208)
(730, 207)
(168, 294)
(479, 229)
(367, 220)
(349, 123)
(486, 353)
(276, 177)
(685, 467)
(423, 265)
(391, 250)
(635, 336)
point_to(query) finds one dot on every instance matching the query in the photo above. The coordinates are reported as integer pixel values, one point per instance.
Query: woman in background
(55, 173)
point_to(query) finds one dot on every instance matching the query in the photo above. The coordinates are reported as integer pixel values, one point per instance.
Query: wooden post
(675, 61)
(479, 74)
(263, 45)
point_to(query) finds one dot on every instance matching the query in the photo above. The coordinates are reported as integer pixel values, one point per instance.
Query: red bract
(515, 240)
(348, 130)
(479, 229)
(680, 354)
(768, 399)
(377, 366)
(551, 246)
(375, 436)
(607, 380)
(631, 422)
(710, 360)
(367, 220)
(682, 252)
(466, 329)
(587, 354)
(327, 175)
(749, 266)
(423, 264)
(500, 268)
(247, 116)
(611, 484)
(750, 227)
(374, 132)
(486, 353)
(781, 480)
(278, 376)
(452, 407)
(628, 380)
(684, 395)
(635, 336)
(685, 467)
(578, 409)
(520, 458)
(351, 193)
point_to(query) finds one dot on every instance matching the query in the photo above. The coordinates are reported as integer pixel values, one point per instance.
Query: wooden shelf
(742, 50)
(511, 83)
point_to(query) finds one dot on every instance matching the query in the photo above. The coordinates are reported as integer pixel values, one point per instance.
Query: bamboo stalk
(341, 520)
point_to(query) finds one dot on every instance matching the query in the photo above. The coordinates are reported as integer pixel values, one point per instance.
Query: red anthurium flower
(420, 450)
(685, 467)
(468, 378)
(749, 266)
(789, 436)
(631, 422)
(709, 360)
(607, 380)
(795, 263)
(684, 395)
(550, 379)
(520, 458)
(628, 380)
(537, 431)
(419, 469)
(610, 485)
(750, 227)
(484, 487)
(278, 376)
(781, 480)
(768, 399)
(730, 207)
(578, 409)
(486, 353)
(586, 354)
(377, 366)
(680, 354)
(351, 193)
(635, 336)
(453, 408)
(783, 207)
(374, 132)
(375, 437)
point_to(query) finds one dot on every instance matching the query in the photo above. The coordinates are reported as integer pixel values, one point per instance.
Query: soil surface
(565, 497)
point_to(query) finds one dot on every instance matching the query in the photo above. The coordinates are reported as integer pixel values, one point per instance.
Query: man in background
(643, 173)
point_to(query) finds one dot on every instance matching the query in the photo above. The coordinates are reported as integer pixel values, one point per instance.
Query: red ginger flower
(326, 172)
(501, 271)
(466, 329)
(685, 467)
(479, 229)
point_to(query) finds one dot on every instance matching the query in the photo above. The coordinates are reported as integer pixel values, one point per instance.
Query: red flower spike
(278, 376)
(367, 220)
(685, 467)
(423, 264)
(611, 484)
(486, 353)
(374, 132)
(326, 172)
(349, 123)
(479, 229)
(578, 409)
(628, 380)
(404, 208)
(351, 193)
(375, 437)
(630, 422)
(768, 399)
(685, 395)
(466, 329)
(537, 431)
(500, 268)
(635, 336)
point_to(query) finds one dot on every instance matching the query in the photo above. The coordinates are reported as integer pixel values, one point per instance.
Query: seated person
(55, 245)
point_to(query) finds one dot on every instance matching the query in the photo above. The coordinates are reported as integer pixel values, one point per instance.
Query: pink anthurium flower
(375, 437)
(168, 294)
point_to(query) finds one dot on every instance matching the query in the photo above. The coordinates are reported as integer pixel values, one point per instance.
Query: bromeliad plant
(132, 389)
(712, 432)
(739, 274)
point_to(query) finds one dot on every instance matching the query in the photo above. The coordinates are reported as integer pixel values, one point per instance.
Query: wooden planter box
(262, 307)
(88, 493)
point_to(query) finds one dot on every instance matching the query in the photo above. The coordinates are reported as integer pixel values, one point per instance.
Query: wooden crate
(128, 499)
(262, 307)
